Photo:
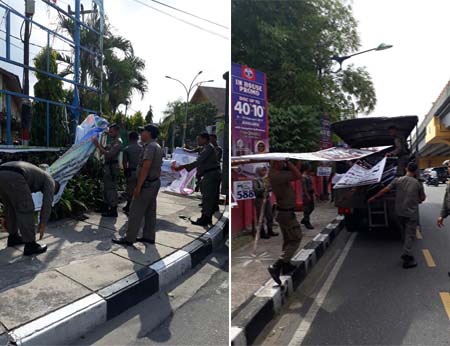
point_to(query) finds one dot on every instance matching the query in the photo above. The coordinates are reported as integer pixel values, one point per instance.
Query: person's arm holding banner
(296, 175)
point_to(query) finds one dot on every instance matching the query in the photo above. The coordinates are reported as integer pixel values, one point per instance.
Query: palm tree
(122, 71)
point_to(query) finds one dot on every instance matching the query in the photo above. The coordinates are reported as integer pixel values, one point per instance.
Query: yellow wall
(437, 133)
(432, 161)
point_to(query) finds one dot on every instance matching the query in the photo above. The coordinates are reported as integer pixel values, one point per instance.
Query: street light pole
(341, 59)
(188, 92)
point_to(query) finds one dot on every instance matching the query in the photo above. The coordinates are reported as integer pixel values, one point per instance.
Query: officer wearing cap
(130, 161)
(18, 179)
(143, 205)
(208, 168)
(111, 169)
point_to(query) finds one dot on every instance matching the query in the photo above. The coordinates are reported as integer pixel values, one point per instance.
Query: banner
(69, 164)
(178, 182)
(360, 176)
(249, 121)
(332, 154)
(325, 132)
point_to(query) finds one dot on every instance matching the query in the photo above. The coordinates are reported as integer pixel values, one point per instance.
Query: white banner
(178, 182)
(360, 176)
(332, 154)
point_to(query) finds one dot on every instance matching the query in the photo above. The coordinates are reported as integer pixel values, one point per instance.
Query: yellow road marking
(445, 297)
(428, 258)
(418, 233)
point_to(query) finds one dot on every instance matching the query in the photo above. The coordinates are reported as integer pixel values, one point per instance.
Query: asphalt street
(359, 294)
(193, 311)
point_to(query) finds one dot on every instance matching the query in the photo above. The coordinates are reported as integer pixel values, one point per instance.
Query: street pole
(188, 92)
(226, 160)
(26, 107)
(76, 95)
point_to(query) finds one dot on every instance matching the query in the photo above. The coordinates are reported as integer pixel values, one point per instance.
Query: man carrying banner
(409, 193)
(130, 162)
(18, 179)
(111, 169)
(401, 150)
(280, 179)
(261, 188)
(143, 205)
(208, 168)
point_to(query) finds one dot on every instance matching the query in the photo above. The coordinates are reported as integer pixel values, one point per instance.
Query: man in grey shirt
(143, 205)
(18, 180)
(409, 193)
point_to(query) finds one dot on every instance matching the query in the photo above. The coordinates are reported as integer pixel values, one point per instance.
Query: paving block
(100, 271)
(29, 300)
(145, 254)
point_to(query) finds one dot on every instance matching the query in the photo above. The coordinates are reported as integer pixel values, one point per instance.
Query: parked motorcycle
(432, 181)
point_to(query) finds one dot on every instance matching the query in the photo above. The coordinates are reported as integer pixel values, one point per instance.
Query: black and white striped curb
(78, 318)
(262, 307)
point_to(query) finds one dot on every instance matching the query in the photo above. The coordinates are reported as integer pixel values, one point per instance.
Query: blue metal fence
(75, 82)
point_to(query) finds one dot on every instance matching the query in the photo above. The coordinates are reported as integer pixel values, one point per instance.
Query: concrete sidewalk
(82, 263)
(249, 271)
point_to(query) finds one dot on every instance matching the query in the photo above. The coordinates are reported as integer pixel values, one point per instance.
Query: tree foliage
(294, 128)
(199, 116)
(122, 74)
(51, 89)
(293, 42)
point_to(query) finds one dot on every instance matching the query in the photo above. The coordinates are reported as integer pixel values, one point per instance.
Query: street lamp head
(169, 77)
(383, 46)
(200, 72)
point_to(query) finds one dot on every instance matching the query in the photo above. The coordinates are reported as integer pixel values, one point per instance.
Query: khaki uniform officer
(280, 180)
(111, 170)
(307, 195)
(18, 180)
(143, 205)
(401, 151)
(409, 193)
(130, 161)
(208, 168)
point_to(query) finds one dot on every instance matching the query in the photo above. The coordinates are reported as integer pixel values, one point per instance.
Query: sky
(409, 77)
(168, 46)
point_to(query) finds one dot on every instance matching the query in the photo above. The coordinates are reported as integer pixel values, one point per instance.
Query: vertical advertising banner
(249, 120)
(325, 132)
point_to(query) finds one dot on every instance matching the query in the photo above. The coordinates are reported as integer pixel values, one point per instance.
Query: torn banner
(332, 154)
(183, 182)
(69, 164)
(358, 175)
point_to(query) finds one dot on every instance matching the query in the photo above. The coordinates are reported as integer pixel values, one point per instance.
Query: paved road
(196, 311)
(359, 294)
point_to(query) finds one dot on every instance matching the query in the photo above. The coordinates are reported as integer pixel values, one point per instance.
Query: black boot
(263, 234)
(202, 221)
(409, 262)
(34, 248)
(308, 225)
(15, 239)
(275, 271)
(288, 268)
(111, 213)
(272, 233)
(303, 221)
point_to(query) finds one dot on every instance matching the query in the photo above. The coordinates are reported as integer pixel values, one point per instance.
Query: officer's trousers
(110, 179)
(210, 196)
(409, 227)
(292, 234)
(19, 206)
(144, 208)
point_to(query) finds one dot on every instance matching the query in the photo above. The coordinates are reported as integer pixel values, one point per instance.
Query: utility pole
(79, 10)
(226, 159)
(26, 105)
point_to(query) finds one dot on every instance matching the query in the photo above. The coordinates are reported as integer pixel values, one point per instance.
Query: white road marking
(304, 326)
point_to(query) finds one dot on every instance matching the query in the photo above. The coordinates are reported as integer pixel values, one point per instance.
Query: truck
(352, 202)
